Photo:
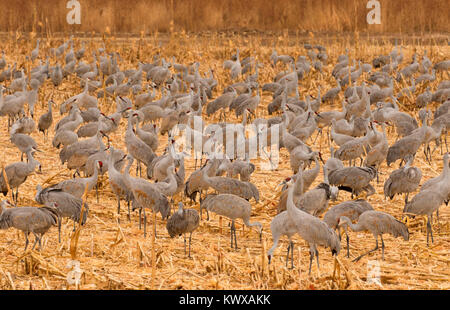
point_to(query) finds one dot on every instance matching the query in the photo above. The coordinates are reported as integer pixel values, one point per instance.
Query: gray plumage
(378, 223)
(313, 230)
(233, 207)
(353, 179)
(351, 209)
(181, 222)
(406, 146)
(224, 185)
(68, 205)
(282, 225)
(403, 180)
(29, 220)
(17, 173)
(146, 194)
(46, 119)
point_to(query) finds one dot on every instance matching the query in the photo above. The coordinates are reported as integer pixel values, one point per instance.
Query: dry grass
(116, 256)
(412, 16)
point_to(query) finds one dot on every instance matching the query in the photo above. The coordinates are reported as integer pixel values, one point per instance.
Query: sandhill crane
(76, 186)
(331, 94)
(281, 225)
(46, 119)
(64, 138)
(56, 75)
(351, 209)
(221, 103)
(377, 154)
(313, 230)
(117, 182)
(83, 100)
(315, 201)
(25, 125)
(17, 173)
(436, 180)
(378, 223)
(423, 99)
(225, 185)
(405, 146)
(170, 186)
(29, 220)
(233, 207)
(353, 179)
(149, 138)
(181, 222)
(67, 205)
(353, 149)
(195, 182)
(426, 202)
(403, 180)
(146, 195)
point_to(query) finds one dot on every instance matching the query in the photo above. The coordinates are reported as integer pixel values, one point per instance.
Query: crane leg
(292, 254)
(59, 229)
(311, 256)
(36, 239)
(382, 247)
(190, 238)
(287, 254)
(317, 258)
(348, 245)
(406, 198)
(374, 249)
(129, 215)
(184, 237)
(118, 210)
(26, 240)
(429, 230)
(140, 211)
(145, 224)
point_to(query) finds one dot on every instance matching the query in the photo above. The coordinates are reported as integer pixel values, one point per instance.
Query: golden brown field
(114, 256)
(402, 16)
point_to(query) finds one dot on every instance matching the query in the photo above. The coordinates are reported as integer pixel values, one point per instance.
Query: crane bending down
(378, 223)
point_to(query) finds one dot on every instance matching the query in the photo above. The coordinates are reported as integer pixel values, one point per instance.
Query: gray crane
(23, 142)
(29, 220)
(351, 209)
(182, 222)
(233, 207)
(77, 186)
(25, 125)
(68, 206)
(313, 230)
(136, 147)
(17, 173)
(353, 179)
(405, 146)
(224, 185)
(195, 183)
(117, 182)
(64, 138)
(282, 225)
(221, 103)
(146, 195)
(378, 223)
(403, 180)
(46, 119)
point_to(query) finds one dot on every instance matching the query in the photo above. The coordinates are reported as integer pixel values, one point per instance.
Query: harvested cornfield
(117, 256)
